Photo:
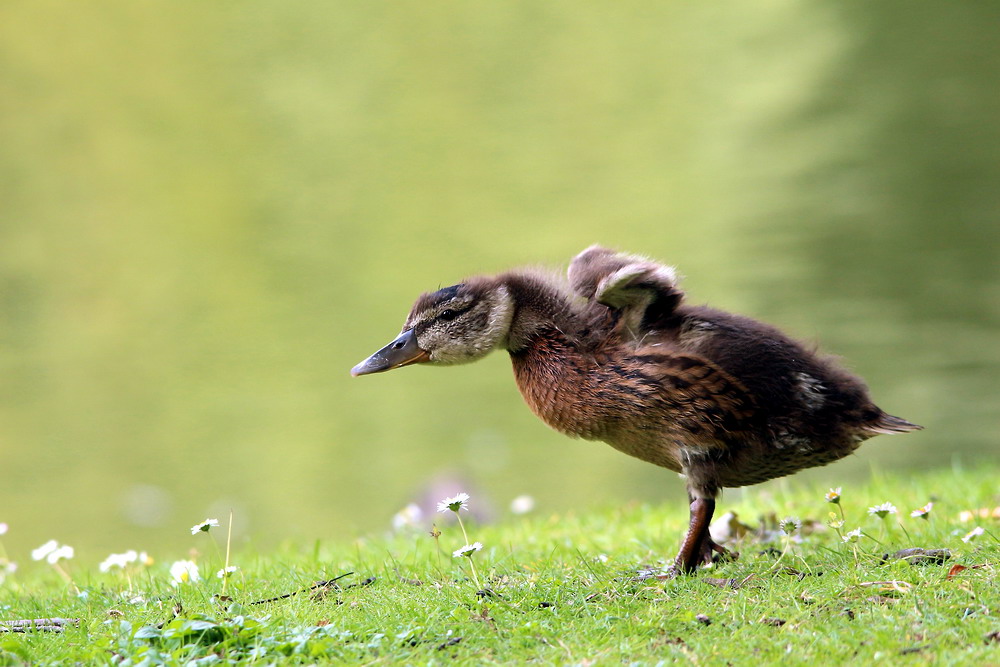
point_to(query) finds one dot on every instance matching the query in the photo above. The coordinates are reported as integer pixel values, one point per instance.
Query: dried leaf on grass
(956, 569)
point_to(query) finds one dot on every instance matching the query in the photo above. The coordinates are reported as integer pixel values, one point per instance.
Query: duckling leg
(698, 546)
(690, 554)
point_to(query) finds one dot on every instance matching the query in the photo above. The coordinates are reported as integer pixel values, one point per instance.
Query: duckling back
(807, 410)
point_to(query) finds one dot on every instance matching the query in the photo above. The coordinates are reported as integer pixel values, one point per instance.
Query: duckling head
(453, 325)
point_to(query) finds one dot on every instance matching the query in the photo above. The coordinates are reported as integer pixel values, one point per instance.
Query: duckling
(617, 356)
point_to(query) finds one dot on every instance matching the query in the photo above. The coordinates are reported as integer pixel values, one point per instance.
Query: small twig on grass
(728, 583)
(320, 586)
(38, 624)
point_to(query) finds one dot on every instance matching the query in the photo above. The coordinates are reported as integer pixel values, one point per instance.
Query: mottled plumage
(723, 399)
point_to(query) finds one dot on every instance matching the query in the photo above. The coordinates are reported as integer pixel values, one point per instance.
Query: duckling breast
(557, 384)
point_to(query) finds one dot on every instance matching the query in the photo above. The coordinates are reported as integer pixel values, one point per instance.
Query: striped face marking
(461, 323)
(444, 305)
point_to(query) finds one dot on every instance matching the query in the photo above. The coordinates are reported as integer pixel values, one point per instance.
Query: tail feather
(888, 424)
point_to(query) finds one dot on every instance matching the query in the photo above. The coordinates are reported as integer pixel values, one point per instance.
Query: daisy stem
(462, 526)
(475, 576)
(781, 556)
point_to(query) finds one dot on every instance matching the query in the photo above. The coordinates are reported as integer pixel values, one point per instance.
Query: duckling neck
(549, 365)
(539, 309)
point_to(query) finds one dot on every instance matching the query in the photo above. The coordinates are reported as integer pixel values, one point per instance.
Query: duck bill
(401, 352)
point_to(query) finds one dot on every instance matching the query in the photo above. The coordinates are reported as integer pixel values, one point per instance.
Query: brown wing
(636, 290)
(706, 398)
(696, 399)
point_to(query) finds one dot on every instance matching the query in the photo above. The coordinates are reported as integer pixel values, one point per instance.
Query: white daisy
(184, 572)
(52, 551)
(922, 512)
(204, 526)
(61, 552)
(225, 572)
(883, 510)
(119, 560)
(468, 550)
(44, 550)
(790, 524)
(833, 496)
(853, 536)
(455, 503)
(973, 534)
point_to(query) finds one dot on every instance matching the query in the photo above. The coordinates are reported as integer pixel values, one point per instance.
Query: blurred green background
(211, 210)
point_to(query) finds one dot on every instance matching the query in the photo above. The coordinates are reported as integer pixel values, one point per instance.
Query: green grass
(562, 591)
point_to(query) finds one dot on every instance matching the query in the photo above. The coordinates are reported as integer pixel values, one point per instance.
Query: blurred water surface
(210, 211)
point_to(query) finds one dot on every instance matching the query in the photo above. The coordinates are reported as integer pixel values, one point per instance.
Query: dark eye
(448, 315)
